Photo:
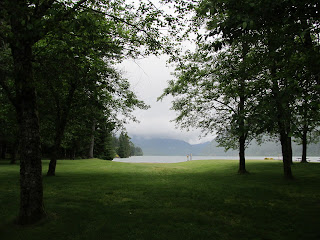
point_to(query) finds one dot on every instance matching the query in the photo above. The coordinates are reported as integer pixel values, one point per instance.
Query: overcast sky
(148, 77)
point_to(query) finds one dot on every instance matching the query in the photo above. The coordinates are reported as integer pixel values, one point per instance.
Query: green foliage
(110, 152)
(124, 149)
(251, 70)
(78, 35)
(78, 80)
(75, 47)
(107, 149)
(209, 89)
(137, 151)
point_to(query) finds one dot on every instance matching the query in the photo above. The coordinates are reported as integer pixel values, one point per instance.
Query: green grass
(96, 199)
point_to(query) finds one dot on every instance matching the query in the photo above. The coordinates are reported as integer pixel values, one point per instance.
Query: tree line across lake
(99, 144)
(254, 71)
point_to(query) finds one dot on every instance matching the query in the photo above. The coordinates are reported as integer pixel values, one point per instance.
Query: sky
(148, 77)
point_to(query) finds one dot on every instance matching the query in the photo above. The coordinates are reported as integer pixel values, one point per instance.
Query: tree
(75, 58)
(17, 20)
(270, 30)
(104, 145)
(239, 23)
(138, 151)
(307, 119)
(132, 149)
(109, 101)
(307, 103)
(217, 93)
(124, 145)
(109, 150)
(135, 151)
(23, 25)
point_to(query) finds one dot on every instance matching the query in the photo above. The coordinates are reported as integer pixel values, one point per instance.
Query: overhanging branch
(120, 20)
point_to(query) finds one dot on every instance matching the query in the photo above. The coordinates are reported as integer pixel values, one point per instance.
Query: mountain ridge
(175, 147)
(167, 147)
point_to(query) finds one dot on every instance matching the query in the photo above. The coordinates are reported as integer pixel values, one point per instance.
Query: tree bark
(286, 148)
(286, 154)
(242, 138)
(304, 146)
(91, 148)
(52, 164)
(290, 150)
(283, 119)
(241, 121)
(284, 122)
(31, 190)
(242, 160)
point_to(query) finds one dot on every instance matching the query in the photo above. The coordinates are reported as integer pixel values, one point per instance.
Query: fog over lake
(176, 159)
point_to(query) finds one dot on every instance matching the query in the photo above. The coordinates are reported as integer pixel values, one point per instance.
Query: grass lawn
(96, 199)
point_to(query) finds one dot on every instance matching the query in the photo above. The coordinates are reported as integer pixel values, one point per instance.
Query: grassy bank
(96, 199)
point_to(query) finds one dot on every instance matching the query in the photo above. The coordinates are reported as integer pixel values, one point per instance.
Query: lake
(176, 159)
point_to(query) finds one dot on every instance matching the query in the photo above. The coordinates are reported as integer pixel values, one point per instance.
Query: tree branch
(45, 6)
(230, 108)
(40, 10)
(120, 20)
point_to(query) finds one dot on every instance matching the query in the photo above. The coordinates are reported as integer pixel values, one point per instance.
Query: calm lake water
(176, 159)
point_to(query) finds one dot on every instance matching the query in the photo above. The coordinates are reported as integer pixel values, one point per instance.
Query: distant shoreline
(176, 159)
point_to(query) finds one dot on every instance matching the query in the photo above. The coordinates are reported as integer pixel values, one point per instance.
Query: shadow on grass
(194, 200)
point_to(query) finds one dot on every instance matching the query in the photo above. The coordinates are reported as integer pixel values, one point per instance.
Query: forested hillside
(167, 147)
(265, 149)
(174, 147)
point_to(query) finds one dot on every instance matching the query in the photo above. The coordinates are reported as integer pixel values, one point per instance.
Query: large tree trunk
(283, 118)
(241, 120)
(52, 163)
(285, 141)
(242, 160)
(286, 154)
(290, 150)
(304, 146)
(90, 155)
(31, 190)
(242, 138)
